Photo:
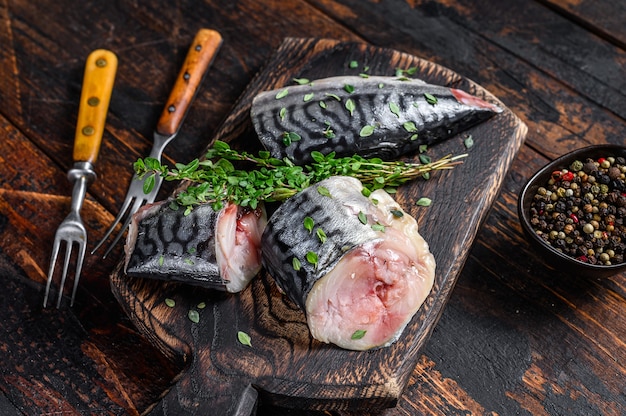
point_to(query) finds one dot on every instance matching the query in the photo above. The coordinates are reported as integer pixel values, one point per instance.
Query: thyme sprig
(216, 180)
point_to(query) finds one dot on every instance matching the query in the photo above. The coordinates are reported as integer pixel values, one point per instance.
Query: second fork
(205, 46)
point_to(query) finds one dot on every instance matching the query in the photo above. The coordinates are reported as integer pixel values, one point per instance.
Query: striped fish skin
(198, 248)
(392, 106)
(373, 269)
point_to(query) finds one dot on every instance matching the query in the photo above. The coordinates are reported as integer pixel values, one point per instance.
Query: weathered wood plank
(602, 17)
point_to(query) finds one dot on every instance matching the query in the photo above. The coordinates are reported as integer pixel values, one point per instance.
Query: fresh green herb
(468, 142)
(161, 260)
(378, 227)
(413, 137)
(201, 305)
(282, 94)
(349, 88)
(366, 131)
(301, 81)
(290, 137)
(397, 213)
(295, 263)
(321, 235)
(350, 106)
(309, 224)
(193, 316)
(423, 202)
(335, 96)
(216, 181)
(191, 250)
(358, 334)
(148, 183)
(322, 104)
(282, 113)
(409, 126)
(424, 158)
(308, 97)
(422, 148)
(430, 99)
(189, 262)
(363, 75)
(353, 64)
(312, 258)
(244, 338)
(393, 107)
(323, 191)
(328, 131)
(170, 302)
(362, 217)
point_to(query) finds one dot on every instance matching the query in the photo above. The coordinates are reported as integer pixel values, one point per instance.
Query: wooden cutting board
(284, 366)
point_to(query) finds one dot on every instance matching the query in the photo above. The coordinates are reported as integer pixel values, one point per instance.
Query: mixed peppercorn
(581, 211)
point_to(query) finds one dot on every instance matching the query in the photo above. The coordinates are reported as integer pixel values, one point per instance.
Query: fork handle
(199, 57)
(100, 69)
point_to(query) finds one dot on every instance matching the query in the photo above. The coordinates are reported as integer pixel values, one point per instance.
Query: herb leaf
(244, 338)
(358, 334)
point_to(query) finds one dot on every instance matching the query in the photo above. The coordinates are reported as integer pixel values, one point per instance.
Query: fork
(205, 46)
(98, 80)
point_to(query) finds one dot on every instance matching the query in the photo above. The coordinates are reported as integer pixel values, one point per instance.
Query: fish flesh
(213, 249)
(356, 265)
(376, 116)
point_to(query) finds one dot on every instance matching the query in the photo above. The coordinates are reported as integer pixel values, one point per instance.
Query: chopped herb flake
(350, 106)
(362, 217)
(201, 305)
(335, 96)
(308, 97)
(244, 338)
(193, 316)
(312, 258)
(309, 224)
(349, 88)
(295, 263)
(282, 113)
(323, 191)
(322, 104)
(170, 302)
(422, 148)
(410, 127)
(393, 107)
(353, 64)
(397, 213)
(301, 81)
(424, 158)
(321, 235)
(468, 142)
(282, 94)
(423, 202)
(366, 131)
(430, 99)
(378, 227)
(358, 334)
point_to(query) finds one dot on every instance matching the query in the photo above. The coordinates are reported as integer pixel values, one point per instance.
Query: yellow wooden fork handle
(100, 70)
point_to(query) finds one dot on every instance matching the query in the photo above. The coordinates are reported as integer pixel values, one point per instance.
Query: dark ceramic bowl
(555, 258)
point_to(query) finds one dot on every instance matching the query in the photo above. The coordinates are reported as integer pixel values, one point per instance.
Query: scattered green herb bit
(193, 316)
(353, 64)
(174, 206)
(410, 126)
(397, 213)
(295, 263)
(244, 338)
(423, 202)
(366, 192)
(430, 99)
(290, 137)
(413, 137)
(322, 104)
(381, 86)
(362, 217)
(201, 305)
(362, 75)
(282, 94)
(374, 201)
(321, 235)
(282, 113)
(349, 88)
(189, 262)
(378, 227)
(335, 96)
(191, 250)
(358, 334)
(301, 81)
(309, 224)
(424, 158)
(366, 68)
(170, 302)
(312, 258)
(148, 183)
(308, 97)
(426, 175)
(393, 107)
(366, 131)
(350, 106)
(468, 142)
(328, 132)
(422, 148)
(161, 260)
(323, 191)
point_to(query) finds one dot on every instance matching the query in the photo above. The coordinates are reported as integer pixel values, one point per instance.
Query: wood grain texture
(285, 364)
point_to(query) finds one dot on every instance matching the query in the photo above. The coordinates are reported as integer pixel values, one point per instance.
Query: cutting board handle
(233, 397)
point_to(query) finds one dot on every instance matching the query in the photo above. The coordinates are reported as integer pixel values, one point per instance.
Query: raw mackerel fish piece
(204, 248)
(370, 272)
(401, 114)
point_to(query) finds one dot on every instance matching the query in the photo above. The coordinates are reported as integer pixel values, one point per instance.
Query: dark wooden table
(516, 336)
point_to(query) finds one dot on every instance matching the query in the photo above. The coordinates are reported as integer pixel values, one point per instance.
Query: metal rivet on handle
(88, 130)
(186, 76)
(171, 108)
(198, 47)
(101, 62)
(93, 101)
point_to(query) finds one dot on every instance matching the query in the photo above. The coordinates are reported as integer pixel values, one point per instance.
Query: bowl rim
(532, 184)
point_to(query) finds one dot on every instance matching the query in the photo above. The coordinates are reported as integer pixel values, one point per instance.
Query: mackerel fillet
(358, 268)
(376, 116)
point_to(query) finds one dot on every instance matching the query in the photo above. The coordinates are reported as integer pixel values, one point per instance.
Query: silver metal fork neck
(82, 170)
